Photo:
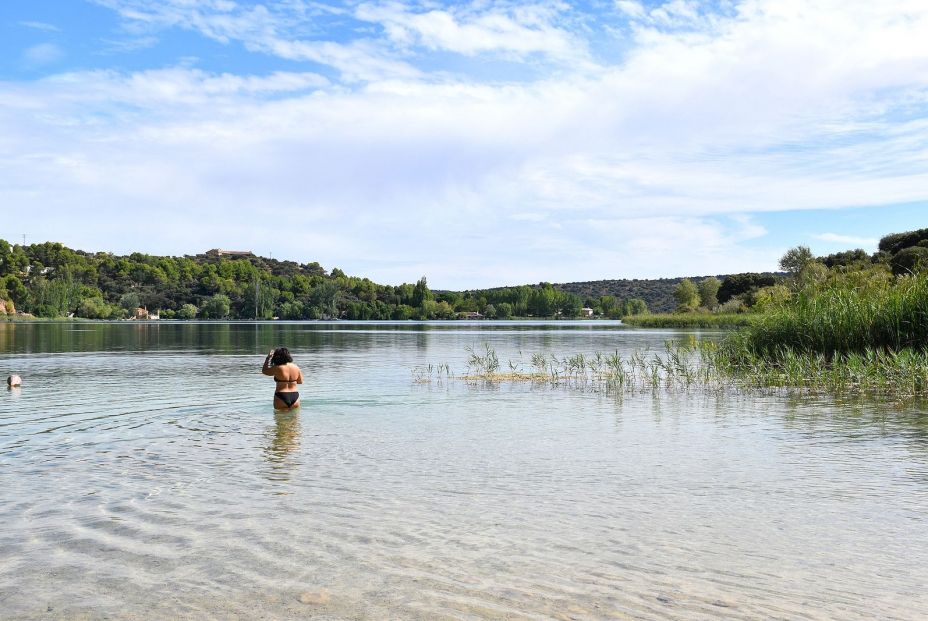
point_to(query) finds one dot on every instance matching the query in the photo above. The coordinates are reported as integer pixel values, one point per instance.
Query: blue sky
(477, 143)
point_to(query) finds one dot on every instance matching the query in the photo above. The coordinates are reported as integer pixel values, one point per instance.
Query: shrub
(187, 311)
(897, 241)
(909, 260)
(843, 318)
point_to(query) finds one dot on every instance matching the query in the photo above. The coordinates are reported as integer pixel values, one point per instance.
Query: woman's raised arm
(267, 368)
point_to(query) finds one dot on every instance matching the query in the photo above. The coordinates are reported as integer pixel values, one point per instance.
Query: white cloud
(129, 44)
(651, 166)
(42, 54)
(470, 29)
(632, 8)
(43, 26)
(261, 29)
(848, 240)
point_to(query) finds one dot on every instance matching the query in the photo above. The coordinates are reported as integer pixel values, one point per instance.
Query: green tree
(634, 306)
(291, 310)
(687, 296)
(6, 253)
(740, 284)
(569, 304)
(187, 311)
(15, 288)
(909, 260)
(897, 241)
(849, 258)
(795, 259)
(130, 301)
(325, 298)
(542, 301)
(216, 307)
(709, 292)
(771, 297)
(812, 274)
(403, 311)
(421, 293)
(94, 308)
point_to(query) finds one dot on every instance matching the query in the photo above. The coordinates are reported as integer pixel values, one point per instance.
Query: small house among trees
(219, 252)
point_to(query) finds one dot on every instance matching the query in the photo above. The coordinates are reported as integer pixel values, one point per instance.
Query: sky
(481, 143)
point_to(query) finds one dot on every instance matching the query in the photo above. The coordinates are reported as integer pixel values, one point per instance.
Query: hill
(657, 293)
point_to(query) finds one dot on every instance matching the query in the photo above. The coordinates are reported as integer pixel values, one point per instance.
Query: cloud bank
(484, 143)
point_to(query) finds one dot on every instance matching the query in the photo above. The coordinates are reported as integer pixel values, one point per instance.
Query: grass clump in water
(691, 320)
(677, 367)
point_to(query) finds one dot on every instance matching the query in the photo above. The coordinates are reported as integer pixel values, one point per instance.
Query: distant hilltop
(657, 293)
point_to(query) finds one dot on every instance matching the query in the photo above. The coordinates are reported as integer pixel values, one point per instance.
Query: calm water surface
(145, 475)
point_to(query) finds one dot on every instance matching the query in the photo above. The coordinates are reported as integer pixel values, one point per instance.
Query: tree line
(51, 280)
(898, 255)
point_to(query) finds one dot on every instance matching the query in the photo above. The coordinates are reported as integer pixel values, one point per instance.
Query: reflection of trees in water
(211, 337)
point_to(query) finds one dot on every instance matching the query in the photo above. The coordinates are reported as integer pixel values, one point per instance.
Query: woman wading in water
(279, 365)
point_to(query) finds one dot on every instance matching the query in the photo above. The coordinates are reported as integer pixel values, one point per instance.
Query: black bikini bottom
(288, 397)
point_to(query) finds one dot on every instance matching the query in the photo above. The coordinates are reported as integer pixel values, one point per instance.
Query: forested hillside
(657, 294)
(51, 280)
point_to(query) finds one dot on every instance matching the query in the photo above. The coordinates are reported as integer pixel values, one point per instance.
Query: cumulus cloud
(471, 29)
(649, 165)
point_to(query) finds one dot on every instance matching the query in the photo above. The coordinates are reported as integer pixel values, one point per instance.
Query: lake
(145, 475)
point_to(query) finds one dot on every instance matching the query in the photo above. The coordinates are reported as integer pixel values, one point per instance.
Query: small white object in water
(14, 380)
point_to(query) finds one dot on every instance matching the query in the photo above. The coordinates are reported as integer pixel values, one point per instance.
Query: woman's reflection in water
(284, 442)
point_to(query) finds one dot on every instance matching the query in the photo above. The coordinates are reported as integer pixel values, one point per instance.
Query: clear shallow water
(145, 475)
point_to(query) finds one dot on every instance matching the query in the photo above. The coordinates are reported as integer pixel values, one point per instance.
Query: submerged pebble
(320, 597)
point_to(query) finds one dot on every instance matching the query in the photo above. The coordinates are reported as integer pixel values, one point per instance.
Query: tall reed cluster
(691, 320)
(838, 318)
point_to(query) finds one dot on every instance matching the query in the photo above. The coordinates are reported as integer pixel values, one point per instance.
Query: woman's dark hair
(281, 356)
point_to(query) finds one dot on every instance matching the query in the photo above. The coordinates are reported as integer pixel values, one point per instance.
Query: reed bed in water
(872, 371)
(704, 365)
(691, 320)
(677, 366)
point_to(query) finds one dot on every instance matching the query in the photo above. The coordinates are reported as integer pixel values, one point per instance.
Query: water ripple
(152, 480)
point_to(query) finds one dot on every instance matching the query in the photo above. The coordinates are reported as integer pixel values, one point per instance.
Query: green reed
(705, 365)
(691, 320)
(841, 318)
(678, 366)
